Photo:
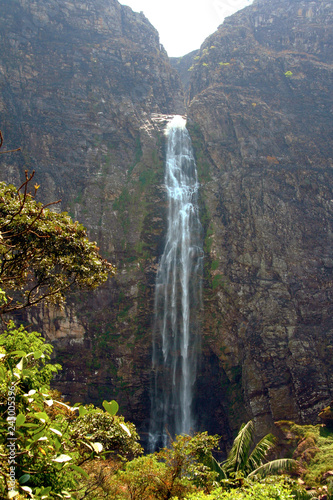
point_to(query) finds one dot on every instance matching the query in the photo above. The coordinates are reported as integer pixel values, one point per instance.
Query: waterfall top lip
(176, 121)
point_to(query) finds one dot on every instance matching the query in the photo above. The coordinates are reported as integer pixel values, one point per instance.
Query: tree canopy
(43, 253)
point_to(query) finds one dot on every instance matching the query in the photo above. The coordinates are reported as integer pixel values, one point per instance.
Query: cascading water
(178, 296)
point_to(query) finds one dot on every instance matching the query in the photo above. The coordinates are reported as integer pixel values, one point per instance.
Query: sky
(183, 25)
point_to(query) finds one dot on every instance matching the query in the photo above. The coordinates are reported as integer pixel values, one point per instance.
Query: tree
(118, 439)
(170, 473)
(242, 462)
(43, 253)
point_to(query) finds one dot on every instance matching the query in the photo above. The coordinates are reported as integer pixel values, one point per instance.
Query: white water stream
(178, 300)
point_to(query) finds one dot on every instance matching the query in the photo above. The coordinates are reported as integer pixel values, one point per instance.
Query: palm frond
(213, 464)
(274, 467)
(240, 450)
(259, 453)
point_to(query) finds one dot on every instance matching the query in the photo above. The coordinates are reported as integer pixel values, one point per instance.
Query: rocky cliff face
(260, 117)
(85, 87)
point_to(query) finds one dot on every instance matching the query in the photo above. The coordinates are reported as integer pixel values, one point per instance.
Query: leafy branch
(43, 253)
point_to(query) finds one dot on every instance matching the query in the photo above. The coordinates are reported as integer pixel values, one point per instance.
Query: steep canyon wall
(260, 114)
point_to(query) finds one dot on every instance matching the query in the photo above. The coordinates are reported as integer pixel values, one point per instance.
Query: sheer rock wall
(260, 115)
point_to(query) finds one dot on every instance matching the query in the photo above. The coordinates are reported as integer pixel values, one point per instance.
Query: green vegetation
(314, 450)
(43, 253)
(121, 204)
(243, 461)
(214, 265)
(131, 204)
(170, 473)
(44, 442)
(208, 240)
(250, 491)
(217, 281)
(146, 178)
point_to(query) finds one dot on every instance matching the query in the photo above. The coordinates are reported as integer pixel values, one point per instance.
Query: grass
(323, 459)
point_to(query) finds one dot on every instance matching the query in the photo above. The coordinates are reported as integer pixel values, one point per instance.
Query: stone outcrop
(86, 90)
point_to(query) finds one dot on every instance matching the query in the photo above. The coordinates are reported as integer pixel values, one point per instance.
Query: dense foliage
(45, 441)
(43, 253)
(251, 491)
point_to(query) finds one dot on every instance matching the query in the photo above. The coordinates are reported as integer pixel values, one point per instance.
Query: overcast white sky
(183, 25)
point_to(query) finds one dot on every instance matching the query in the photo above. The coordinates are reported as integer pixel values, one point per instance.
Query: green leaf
(58, 251)
(24, 479)
(27, 373)
(40, 432)
(32, 426)
(239, 453)
(20, 419)
(41, 415)
(82, 411)
(274, 467)
(256, 459)
(44, 493)
(79, 469)
(18, 353)
(57, 444)
(38, 354)
(111, 407)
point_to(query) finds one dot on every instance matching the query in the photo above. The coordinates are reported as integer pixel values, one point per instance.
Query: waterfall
(178, 296)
